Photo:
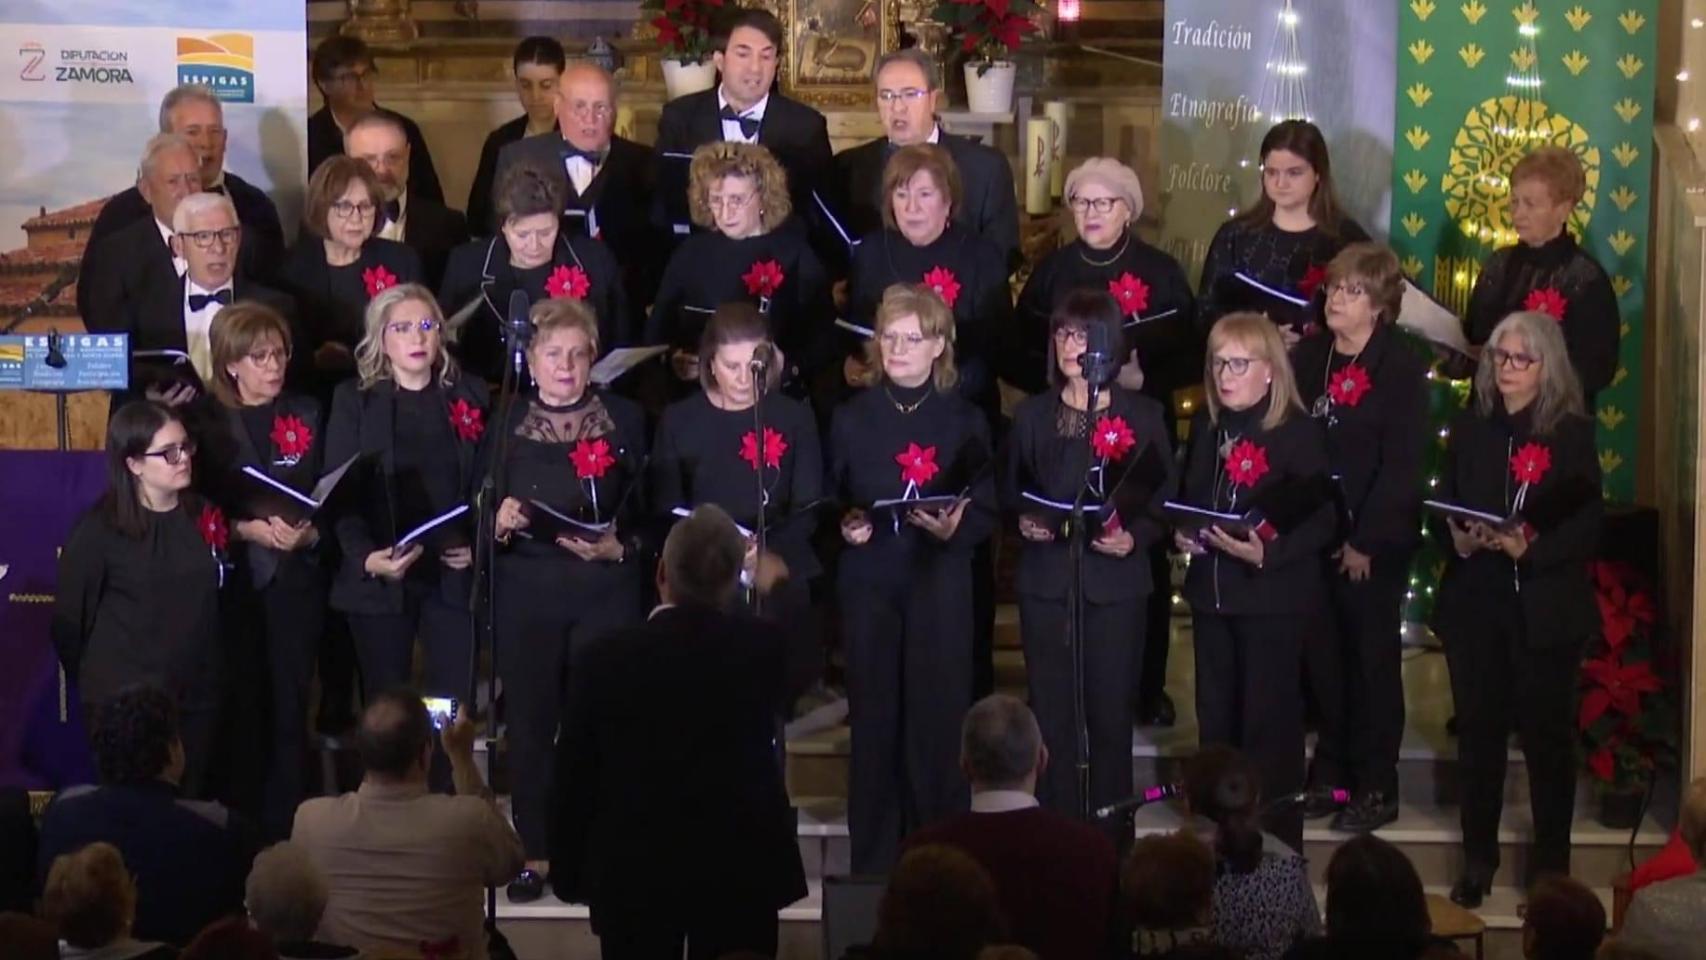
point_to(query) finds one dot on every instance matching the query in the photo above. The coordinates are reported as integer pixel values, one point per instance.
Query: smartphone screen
(442, 710)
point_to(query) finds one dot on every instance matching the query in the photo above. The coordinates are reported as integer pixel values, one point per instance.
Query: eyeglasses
(401, 328)
(908, 95)
(205, 239)
(352, 77)
(261, 358)
(1351, 290)
(174, 454)
(1238, 365)
(902, 343)
(732, 203)
(1098, 204)
(353, 211)
(1077, 336)
(597, 111)
(1511, 359)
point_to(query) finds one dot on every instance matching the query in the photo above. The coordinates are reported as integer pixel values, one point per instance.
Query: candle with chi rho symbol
(1056, 111)
(1039, 149)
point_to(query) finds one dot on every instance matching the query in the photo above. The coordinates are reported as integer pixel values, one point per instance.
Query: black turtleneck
(1558, 274)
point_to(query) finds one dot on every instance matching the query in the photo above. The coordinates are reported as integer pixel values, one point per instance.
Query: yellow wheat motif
(1418, 137)
(1423, 9)
(1611, 418)
(1526, 14)
(1630, 65)
(1627, 109)
(1622, 285)
(1473, 11)
(1421, 50)
(1609, 461)
(1578, 18)
(1624, 198)
(1625, 153)
(1621, 241)
(1576, 61)
(1471, 54)
(1419, 94)
(1412, 266)
(1413, 223)
(1415, 180)
(1523, 59)
(1632, 21)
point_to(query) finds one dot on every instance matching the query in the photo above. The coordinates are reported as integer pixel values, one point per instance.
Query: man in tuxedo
(429, 227)
(344, 71)
(670, 818)
(193, 112)
(117, 269)
(909, 91)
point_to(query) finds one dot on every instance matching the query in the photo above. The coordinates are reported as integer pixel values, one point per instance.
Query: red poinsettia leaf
(566, 282)
(591, 458)
(944, 284)
(1113, 437)
(290, 436)
(211, 523)
(1349, 384)
(1594, 705)
(377, 279)
(775, 445)
(1547, 300)
(997, 8)
(467, 420)
(917, 464)
(1312, 280)
(1131, 292)
(764, 278)
(1246, 463)
(1530, 462)
(1602, 765)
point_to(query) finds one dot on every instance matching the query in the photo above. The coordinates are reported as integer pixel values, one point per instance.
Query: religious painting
(831, 48)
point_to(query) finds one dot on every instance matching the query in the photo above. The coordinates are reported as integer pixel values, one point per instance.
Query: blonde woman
(417, 421)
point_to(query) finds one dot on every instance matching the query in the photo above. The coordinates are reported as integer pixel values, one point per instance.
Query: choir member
(416, 419)
(1119, 459)
(344, 72)
(1285, 240)
(423, 224)
(1254, 593)
(139, 581)
(126, 263)
(905, 577)
(739, 193)
(1547, 270)
(537, 65)
(578, 451)
(530, 253)
(1515, 606)
(1368, 384)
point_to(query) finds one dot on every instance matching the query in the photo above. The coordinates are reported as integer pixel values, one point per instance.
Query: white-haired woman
(417, 422)
(1516, 607)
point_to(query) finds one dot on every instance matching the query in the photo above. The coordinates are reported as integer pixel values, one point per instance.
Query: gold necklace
(905, 407)
(1125, 241)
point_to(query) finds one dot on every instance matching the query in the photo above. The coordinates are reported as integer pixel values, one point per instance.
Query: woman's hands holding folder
(386, 564)
(940, 524)
(1353, 563)
(1251, 551)
(1466, 538)
(856, 528)
(1115, 543)
(275, 534)
(606, 548)
(511, 517)
(1188, 544)
(1033, 529)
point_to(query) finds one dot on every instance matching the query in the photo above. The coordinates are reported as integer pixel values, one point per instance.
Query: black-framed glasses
(1238, 365)
(205, 239)
(261, 358)
(905, 95)
(1516, 360)
(350, 211)
(174, 453)
(1098, 204)
(1351, 290)
(1077, 336)
(404, 327)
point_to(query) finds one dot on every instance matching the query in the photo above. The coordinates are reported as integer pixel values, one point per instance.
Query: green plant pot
(1620, 810)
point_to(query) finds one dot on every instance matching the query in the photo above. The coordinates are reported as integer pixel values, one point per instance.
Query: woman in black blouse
(905, 578)
(1515, 607)
(1285, 240)
(139, 582)
(538, 64)
(1119, 456)
(1368, 384)
(577, 451)
(1253, 596)
(417, 421)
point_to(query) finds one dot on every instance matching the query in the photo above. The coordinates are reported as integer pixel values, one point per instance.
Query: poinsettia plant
(683, 26)
(1627, 714)
(988, 30)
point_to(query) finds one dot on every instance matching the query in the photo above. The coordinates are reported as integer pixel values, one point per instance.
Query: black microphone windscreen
(763, 355)
(518, 307)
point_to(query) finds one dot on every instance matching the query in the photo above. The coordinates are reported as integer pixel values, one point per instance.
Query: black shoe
(527, 887)
(1158, 713)
(1318, 802)
(1469, 891)
(1369, 811)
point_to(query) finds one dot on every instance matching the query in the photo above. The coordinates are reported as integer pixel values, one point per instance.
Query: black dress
(1561, 279)
(906, 606)
(1293, 262)
(332, 301)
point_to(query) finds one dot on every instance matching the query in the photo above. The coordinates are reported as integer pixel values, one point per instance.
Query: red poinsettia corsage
(214, 532)
(291, 436)
(764, 279)
(1113, 438)
(467, 420)
(774, 446)
(942, 281)
(1312, 280)
(1530, 463)
(1131, 292)
(1348, 385)
(591, 458)
(1246, 463)
(917, 464)
(1547, 300)
(377, 279)
(566, 282)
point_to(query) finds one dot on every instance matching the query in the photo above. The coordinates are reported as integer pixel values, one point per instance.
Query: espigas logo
(223, 62)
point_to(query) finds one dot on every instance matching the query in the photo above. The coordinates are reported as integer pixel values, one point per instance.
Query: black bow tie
(201, 301)
(393, 210)
(748, 125)
(594, 157)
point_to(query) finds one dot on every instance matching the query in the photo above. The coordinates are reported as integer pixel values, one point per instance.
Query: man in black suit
(675, 826)
(909, 90)
(427, 226)
(193, 112)
(343, 69)
(121, 265)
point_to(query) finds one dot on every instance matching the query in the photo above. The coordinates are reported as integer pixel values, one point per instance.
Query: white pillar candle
(1039, 139)
(1056, 111)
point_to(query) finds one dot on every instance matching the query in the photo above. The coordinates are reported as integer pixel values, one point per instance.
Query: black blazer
(988, 206)
(479, 206)
(229, 450)
(432, 230)
(328, 317)
(155, 321)
(1591, 322)
(667, 756)
(263, 234)
(326, 140)
(119, 270)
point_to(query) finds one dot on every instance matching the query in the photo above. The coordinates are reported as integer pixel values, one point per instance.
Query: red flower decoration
(569, 282)
(1113, 438)
(1602, 764)
(1312, 280)
(774, 446)
(1614, 686)
(591, 458)
(1348, 385)
(214, 532)
(917, 464)
(1131, 292)
(764, 279)
(467, 420)
(1246, 463)
(1530, 463)
(944, 283)
(1620, 610)
(1547, 300)
(291, 436)
(377, 279)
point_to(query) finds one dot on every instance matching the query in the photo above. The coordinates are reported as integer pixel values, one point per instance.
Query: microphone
(1339, 796)
(1155, 794)
(763, 356)
(55, 357)
(518, 328)
(1100, 359)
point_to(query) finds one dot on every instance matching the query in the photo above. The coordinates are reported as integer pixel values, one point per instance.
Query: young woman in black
(577, 451)
(139, 582)
(1515, 607)
(537, 64)
(1119, 455)
(905, 577)
(1368, 385)
(417, 420)
(1253, 596)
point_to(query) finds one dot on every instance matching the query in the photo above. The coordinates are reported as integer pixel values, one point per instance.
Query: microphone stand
(1076, 536)
(760, 373)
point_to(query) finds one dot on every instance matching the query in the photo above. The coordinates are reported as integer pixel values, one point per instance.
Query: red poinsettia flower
(1113, 437)
(1530, 463)
(1312, 280)
(774, 446)
(214, 532)
(1246, 463)
(291, 436)
(1547, 300)
(567, 282)
(591, 458)
(669, 35)
(1131, 292)
(1614, 686)
(917, 464)
(467, 420)
(377, 279)
(1348, 385)
(944, 283)
(1602, 764)
(764, 279)
(1010, 30)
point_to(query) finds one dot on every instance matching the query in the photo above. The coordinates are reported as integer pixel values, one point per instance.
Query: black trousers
(1113, 638)
(709, 931)
(1149, 669)
(385, 644)
(1497, 680)
(294, 608)
(1354, 665)
(983, 619)
(1250, 695)
(909, 650)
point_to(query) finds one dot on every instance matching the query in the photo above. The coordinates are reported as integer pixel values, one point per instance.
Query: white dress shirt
(1001, 801)
(178, 263)
(731, 129)
(393, 229)
(198, 324)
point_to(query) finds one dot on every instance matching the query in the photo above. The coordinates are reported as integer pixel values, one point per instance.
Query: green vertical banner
(1482, 83)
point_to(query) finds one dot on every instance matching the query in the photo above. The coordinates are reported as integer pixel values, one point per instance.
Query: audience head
(1001, 746)
(394, 738)
(403, 338)
(538, 64)
(1546, 185)
(528, 201)
(1374, 897)
(90, 897)
(1222, 785)
(230, 939)
(1525, 366)
(343, 202)
(1069, 331)
(377, 138)
(135, 738)
(748, 45)
(1564, 920)
(565, 343)
(702, 559)
(585, 107)
(344, 71)
(1297, 176)
(168, 172)
(912, 339)
(939, 905)
(923, 188)
(737, 189)
(286, 893)
(909, 90)
(206, 234)
(1364, 287)
(249, 344)
(1105, 198)
(1246, 364)
(1692, 821)
(1168, 885)
(149, 456)
(193, 111)
(733, 335)
(27, 937)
